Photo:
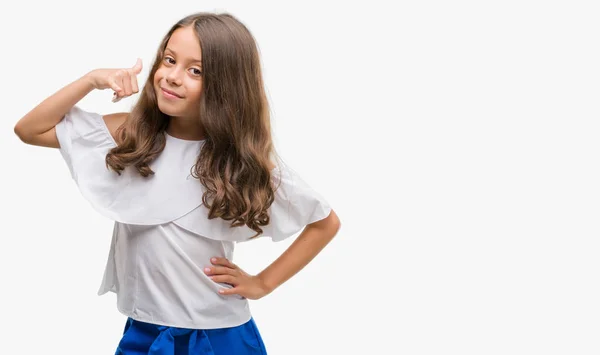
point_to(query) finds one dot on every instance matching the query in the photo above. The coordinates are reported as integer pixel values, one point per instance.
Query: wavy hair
(235, 162)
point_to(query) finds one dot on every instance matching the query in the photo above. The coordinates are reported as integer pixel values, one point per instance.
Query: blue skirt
(151, 339)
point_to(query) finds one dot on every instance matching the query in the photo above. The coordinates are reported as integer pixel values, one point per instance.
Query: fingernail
(213, 259)
(221, 291)
(206, 269)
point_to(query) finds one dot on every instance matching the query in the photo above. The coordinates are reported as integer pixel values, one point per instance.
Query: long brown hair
(235, 161)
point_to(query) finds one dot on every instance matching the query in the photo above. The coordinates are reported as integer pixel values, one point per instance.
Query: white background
(457, 141)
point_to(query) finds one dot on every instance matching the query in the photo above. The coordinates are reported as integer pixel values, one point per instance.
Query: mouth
(170, 94)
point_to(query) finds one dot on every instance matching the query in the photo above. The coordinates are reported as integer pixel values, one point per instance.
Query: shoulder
(114, 120)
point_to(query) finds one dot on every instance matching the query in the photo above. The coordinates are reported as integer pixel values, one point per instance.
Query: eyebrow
(193, 59)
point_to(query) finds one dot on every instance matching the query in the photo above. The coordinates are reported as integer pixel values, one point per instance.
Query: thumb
(137, 68)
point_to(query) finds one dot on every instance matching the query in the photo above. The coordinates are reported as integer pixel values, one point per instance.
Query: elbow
(20, 132)
(24, 135)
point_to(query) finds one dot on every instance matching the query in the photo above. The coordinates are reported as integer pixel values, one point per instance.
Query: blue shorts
(151, 339)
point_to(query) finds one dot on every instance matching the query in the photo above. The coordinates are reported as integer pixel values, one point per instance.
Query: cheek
(195, 90)
(158, 76)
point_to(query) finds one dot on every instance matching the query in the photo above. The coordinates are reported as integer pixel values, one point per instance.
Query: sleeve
(128, 198)
(296, 205)
(82, 135)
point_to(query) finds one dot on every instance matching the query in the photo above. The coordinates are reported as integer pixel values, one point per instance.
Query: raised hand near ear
(123, 81)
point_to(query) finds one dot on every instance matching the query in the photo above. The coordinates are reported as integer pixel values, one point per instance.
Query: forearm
(309, 244)
(49, 112)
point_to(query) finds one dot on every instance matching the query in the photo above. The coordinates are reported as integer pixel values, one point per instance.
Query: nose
(173, 76)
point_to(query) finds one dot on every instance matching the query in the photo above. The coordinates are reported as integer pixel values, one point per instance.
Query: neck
(185, 129)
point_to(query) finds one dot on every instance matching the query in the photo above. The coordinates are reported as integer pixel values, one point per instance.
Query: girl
(187, 174)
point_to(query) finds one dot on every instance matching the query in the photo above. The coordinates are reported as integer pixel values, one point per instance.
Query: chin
(163, 105)
(167, 110)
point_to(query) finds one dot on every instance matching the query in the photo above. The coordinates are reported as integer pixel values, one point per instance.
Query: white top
(162, 237)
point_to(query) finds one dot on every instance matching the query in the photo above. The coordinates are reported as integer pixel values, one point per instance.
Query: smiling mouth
(170, 94)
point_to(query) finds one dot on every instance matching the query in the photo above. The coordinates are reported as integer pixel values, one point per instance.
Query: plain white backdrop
(457, 141)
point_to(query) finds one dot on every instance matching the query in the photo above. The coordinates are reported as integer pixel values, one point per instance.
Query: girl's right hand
(122, 81)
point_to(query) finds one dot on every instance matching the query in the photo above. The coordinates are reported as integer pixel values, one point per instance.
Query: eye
(196, 71)
(168, 59)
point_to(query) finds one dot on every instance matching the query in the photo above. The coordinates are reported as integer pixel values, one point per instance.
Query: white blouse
(162, 237)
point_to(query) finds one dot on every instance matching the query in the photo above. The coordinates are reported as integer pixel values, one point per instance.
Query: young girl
(187, 174)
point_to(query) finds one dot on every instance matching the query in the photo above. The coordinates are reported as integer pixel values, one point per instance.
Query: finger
(137, 68)
(116, 88)
(219, 270)
(127, 83)
(228, 279)
(230, 291)
(224, 262)
(115, 98)
(112, 82)
(134, 84)
(118, 77)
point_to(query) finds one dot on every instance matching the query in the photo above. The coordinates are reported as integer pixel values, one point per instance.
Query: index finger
(230, 291)
(222, 261)
(134, 83)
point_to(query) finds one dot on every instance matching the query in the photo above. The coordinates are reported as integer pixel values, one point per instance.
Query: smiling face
(178, 79)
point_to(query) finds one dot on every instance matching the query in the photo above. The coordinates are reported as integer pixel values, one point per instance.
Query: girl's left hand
(245, 285)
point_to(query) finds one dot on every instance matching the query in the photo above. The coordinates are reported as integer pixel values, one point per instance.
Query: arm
(306, 247)
(309, 243)
(37, 126)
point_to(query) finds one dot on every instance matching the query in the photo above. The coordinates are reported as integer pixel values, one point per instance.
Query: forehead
(185, 43)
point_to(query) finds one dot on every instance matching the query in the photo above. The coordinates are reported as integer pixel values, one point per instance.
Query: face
(178, 80)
